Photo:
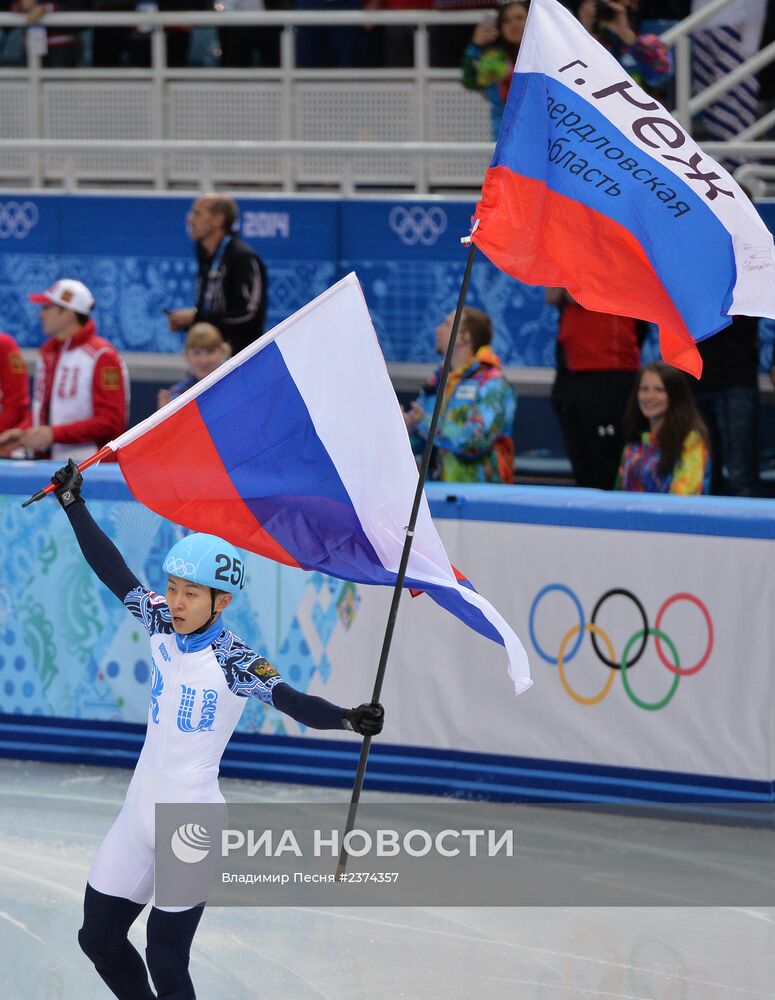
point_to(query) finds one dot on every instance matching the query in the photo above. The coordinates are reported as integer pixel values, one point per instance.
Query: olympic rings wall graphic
(632, 651)
(417, 224)
(17, 220)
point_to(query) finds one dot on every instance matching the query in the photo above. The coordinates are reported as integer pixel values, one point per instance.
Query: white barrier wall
(703, 708)
(680, 589)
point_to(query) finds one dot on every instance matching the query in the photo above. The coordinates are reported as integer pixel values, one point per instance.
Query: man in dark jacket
(231, 283)
(728, 398)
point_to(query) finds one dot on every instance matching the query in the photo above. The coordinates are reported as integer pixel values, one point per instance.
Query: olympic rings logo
(178, 567)
(633, 648)
(17, 220)
(417, 225)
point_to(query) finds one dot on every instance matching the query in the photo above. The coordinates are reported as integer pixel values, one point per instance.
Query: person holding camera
(489, 60)
(614, 23)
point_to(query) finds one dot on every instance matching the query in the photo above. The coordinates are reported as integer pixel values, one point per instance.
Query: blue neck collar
(199, 640)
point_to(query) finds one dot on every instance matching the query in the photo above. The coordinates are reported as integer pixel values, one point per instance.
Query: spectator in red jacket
(81, 387)
(14, 385)
(598, 357)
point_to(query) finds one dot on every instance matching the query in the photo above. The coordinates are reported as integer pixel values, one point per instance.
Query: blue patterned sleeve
(250, 675)
(149, 609)
(256, 680)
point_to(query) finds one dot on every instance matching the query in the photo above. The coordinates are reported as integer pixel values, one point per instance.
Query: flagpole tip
(35, 497)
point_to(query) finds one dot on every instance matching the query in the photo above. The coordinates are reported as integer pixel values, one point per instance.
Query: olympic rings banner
(650, 650)
(632, 651)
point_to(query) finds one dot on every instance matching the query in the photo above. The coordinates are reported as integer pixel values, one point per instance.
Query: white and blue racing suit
(199, 683)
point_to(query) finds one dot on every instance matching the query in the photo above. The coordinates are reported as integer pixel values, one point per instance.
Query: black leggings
(103, 938)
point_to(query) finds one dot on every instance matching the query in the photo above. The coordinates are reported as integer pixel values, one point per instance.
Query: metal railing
(419, 150)
(422, 76)
(679, 39)
(206, 151)
(290, 80)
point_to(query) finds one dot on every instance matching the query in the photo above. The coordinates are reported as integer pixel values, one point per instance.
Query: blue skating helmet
(207, 560)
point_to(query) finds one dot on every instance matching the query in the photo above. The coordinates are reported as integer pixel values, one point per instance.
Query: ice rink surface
(52, 818)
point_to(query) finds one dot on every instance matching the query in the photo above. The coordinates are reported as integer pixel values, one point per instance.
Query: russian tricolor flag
(596, 188)
(296, 449)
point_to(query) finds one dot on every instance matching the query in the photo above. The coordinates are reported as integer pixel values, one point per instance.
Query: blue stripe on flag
(454, 602)
(669, 242)
(282, 471)
(264, 434)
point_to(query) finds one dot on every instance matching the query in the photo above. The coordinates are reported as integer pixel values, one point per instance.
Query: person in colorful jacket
(473, 440)
(81, 386)
(488, 61)
(667, 443)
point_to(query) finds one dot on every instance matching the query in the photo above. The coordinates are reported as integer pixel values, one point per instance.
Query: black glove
(365, 719)
(68, 481)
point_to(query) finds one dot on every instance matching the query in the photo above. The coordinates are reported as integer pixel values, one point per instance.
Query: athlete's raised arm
(98, 550)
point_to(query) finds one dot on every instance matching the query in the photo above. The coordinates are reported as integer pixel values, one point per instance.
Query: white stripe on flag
(358, 419)
(554, 38)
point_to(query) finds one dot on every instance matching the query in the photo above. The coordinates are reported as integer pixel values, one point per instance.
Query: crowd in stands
(321, 46)
(490, 56)
(627, 28)
(625, 425)
(624, 26)
(599, 387)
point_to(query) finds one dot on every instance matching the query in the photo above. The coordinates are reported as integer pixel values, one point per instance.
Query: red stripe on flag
(544, 238)
(176, 471)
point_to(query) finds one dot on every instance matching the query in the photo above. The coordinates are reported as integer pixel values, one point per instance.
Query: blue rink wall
(75, 667)
(133, 253)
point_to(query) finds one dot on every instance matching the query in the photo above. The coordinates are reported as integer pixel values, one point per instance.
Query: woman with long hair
(489, 60)
(667, 442)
